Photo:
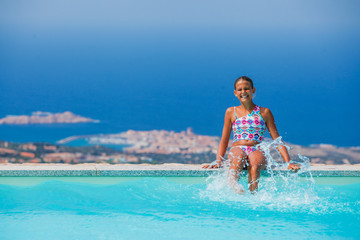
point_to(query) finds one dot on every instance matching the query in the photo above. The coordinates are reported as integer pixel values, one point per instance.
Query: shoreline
(148, 170)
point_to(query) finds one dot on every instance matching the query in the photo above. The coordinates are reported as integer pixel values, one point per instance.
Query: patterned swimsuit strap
(256, 110)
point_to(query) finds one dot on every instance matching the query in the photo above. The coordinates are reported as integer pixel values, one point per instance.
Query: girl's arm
(224, 140)
(271, 126)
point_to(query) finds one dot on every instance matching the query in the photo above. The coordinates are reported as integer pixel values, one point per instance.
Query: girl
(248, 122)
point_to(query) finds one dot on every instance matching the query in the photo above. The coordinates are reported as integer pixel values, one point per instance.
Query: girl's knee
(237, 164)
(238, 160)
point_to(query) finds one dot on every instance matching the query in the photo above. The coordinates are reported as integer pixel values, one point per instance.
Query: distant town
(155, 147)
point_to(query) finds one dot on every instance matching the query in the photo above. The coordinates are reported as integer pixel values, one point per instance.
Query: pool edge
(128, 170)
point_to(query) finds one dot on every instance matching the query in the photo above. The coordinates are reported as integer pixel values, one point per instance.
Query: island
(40, 117)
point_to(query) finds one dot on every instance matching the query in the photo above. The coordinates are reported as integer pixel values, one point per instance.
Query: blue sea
(171, 78)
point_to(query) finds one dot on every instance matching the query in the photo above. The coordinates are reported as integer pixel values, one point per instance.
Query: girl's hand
(214, 164)
(293, 167)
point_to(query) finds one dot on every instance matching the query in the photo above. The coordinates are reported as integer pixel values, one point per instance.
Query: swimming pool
(176, 208)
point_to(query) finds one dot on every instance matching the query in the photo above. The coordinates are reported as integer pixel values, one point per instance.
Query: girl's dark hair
(244, 78)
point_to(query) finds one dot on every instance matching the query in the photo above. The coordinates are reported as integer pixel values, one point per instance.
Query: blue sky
(109, 14)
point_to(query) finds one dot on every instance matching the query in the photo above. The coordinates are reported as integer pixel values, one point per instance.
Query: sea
(173, 79)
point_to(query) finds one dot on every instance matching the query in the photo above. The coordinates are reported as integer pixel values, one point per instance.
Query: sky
(112, 14)
(171, 64)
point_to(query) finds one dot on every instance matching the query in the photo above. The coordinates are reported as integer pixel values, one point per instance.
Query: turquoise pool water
(177, 208)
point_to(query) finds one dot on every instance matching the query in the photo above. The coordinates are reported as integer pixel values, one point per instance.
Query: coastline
(148, 170)
(155, 146)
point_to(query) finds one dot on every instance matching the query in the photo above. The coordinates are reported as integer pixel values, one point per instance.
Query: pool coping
(127, 170)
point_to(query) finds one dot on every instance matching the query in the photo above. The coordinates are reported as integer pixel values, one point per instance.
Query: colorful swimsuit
(250, 127)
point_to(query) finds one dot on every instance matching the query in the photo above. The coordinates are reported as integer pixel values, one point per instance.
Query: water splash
(278, 187)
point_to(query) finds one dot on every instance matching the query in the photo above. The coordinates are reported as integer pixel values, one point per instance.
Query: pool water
(176, 208)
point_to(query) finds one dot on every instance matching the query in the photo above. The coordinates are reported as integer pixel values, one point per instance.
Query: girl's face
(243, 91)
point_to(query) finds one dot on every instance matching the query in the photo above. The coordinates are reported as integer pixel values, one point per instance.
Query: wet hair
(245, 78)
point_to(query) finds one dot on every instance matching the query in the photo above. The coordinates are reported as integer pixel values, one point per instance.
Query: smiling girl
(248, 123)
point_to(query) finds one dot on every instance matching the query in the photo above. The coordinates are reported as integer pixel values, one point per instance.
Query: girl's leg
(237, 159)
(256, 164)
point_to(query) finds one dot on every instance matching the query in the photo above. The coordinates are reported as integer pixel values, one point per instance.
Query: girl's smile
(243, 91)
(244, 96)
